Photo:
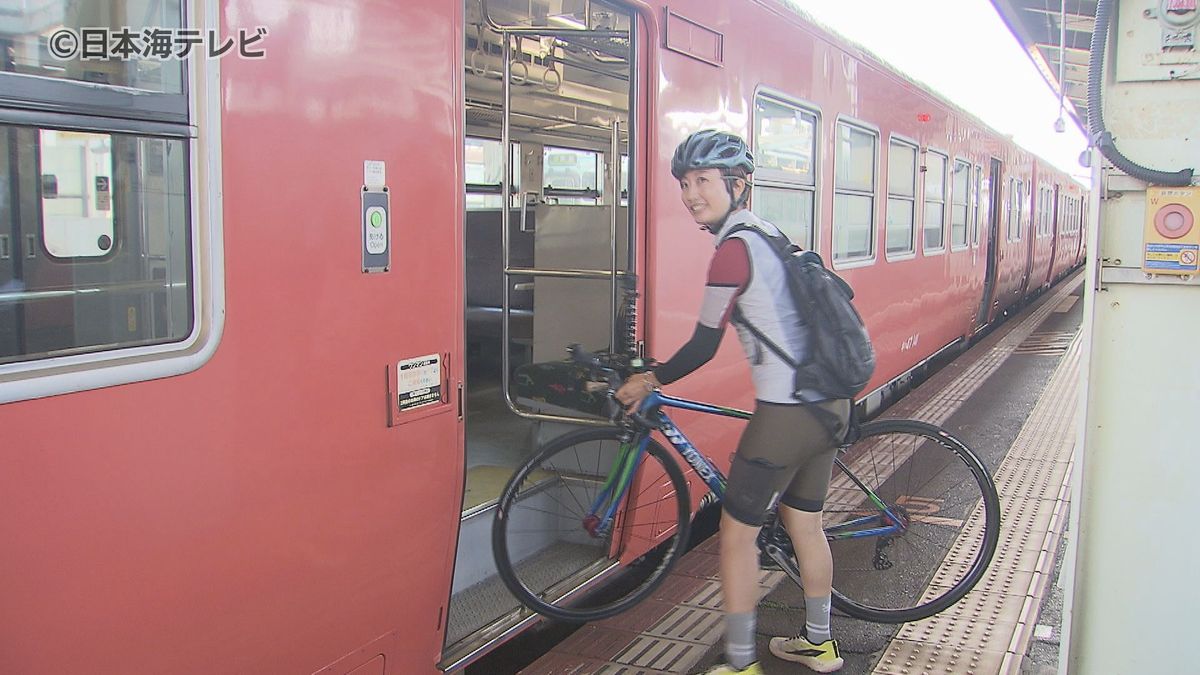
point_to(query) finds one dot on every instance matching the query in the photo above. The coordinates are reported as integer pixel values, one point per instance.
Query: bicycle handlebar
(608, 372)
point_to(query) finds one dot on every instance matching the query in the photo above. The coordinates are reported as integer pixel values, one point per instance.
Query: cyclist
(786, 452)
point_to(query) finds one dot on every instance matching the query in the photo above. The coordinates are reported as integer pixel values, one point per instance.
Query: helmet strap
(735, 202)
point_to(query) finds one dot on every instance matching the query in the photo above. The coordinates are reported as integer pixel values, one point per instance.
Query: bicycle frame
(629, 457)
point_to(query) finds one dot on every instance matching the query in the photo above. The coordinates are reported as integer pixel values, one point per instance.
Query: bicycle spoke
(548, 544)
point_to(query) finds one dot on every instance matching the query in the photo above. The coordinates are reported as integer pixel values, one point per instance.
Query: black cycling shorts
(786, 453)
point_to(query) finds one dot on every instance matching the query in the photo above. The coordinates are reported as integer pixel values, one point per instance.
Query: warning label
(1168, 258)
(419, 381)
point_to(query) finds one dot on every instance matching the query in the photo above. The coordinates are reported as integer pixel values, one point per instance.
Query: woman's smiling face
(704, 195)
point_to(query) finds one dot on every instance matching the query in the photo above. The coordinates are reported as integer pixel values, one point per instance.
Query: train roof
(856, 49)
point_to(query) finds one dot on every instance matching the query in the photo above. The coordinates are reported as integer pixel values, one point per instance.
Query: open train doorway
(993, 241)
(549, 250)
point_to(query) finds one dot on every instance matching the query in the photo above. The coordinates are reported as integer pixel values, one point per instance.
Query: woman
(786, 452)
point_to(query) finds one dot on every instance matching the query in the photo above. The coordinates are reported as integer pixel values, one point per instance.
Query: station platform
(1012, 397)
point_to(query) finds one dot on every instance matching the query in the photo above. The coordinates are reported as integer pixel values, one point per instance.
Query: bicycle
(595, 503)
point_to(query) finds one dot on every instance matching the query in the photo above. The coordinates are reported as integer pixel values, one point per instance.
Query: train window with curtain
(935, 202)
(960, 193)
(854, 193)
(785, 152)
(485, 172)
(98, 244)
(902, 197)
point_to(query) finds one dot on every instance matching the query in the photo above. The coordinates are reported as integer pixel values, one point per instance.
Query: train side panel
(260, 515)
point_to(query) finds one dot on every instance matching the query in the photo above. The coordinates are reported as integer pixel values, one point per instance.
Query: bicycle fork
(614, 488)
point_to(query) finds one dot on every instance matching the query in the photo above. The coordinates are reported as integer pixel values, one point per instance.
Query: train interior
(561, 274)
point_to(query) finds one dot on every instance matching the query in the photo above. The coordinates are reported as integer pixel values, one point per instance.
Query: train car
(284, 303)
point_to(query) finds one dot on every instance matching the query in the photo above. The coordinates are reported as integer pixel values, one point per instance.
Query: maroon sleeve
(728, 277)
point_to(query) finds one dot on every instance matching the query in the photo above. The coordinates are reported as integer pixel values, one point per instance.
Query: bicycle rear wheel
(547, 549)
(941, 506)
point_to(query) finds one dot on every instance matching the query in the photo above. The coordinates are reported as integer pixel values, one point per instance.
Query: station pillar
(1132, 571)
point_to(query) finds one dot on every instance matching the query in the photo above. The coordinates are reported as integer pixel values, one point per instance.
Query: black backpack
(840, 359)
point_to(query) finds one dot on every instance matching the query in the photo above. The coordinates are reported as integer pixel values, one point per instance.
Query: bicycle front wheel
(558, 559)
(912, 518)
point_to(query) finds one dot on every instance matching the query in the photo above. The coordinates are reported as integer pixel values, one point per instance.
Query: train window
(1022, 195)
(71, 77)
(76, 195)
(1049, 215)
(902, 197)
(485, 172)
(31, 26)
(118, 199)
(572, 176)
(934, 231)
(784, 142)
(1050, 212)
(624, 180)
(789, 210)
(959, 203)
(1041, 213)
(785, 150)
(854, 193)
(1013, 210)
(104, 264)
(978, 205)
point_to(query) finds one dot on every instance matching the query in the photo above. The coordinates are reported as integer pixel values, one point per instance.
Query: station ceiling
(1045, 28)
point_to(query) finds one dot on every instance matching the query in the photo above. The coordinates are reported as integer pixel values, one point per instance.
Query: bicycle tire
(956, 498)
(561, 579)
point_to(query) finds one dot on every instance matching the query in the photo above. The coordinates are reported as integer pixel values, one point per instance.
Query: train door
(1054, 228)
(548, 250)
(989, 278)
(11, 316)
(1033, 201)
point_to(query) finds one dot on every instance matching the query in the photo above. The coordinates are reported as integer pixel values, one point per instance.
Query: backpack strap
(783, 248)
(738, 317)
(781, 245)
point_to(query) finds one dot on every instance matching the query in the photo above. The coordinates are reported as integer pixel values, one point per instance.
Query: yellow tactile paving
(988, 631)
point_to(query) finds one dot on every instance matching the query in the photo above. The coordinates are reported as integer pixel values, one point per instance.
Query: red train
(265, 363)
